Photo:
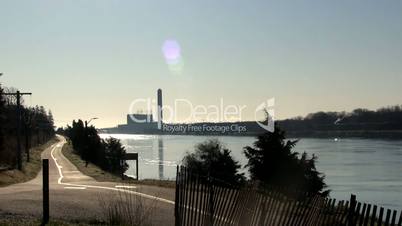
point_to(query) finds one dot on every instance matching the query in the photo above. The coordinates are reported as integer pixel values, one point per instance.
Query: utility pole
(18, 95)
(87, 122)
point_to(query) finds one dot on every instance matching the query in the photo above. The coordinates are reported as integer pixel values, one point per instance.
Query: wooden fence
(201, 200)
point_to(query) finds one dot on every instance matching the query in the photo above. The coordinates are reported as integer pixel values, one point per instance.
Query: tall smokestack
(160, 113)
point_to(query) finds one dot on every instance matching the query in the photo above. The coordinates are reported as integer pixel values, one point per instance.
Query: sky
(93, 58)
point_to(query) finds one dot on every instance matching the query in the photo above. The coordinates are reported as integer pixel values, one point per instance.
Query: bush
(272, 162)
(107, 154)
(211, 158)
(114, 153)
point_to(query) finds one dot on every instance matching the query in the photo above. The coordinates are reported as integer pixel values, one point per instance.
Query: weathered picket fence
(201, 200)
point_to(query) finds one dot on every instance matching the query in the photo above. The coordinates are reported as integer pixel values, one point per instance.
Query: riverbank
(30, 169)
(100, 175)
(75, 199)
(364, 134)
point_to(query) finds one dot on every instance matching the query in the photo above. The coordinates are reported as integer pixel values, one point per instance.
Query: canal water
(369, 168)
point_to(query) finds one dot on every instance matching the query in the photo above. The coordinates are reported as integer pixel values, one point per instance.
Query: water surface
(371, 169)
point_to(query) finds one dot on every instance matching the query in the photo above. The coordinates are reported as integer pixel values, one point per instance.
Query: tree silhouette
(50, 118)
(272, 162)
(1, 119)
(107, 154)
(386, 118)
(211, 158)
(35, 123)
(115, 153)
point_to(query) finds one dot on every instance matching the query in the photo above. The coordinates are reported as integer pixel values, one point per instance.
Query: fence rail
(202, 200)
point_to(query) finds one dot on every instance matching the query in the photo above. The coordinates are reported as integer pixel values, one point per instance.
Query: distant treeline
(383, 122)
(37, 127)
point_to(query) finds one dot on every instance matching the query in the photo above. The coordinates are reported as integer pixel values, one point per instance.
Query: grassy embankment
(102, 176)
(30, 169)
(23, 221)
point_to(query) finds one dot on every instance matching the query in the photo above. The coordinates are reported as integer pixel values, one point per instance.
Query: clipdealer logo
(200, 118)
(268, 108)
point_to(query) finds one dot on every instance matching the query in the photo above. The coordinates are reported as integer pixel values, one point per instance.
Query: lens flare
(172, 52)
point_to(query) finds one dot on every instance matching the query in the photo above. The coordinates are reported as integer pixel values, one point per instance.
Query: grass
(92, 170)
(102, 176)
(36, 222)
(29, 170)
(22, 220)
(127, 209)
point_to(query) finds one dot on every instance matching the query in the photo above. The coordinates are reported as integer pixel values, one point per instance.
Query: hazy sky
(93, 58)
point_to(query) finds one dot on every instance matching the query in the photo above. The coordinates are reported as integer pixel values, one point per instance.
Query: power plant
(141, 123)
(160, 109)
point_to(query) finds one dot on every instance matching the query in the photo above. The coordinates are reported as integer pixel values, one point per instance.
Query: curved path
(75, 196)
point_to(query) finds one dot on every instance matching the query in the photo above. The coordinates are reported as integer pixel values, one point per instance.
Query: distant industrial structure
(160, 109)
(383, 127)
(141, 123)
(146, 124)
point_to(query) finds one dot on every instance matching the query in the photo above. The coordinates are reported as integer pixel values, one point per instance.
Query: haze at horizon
(82, 59)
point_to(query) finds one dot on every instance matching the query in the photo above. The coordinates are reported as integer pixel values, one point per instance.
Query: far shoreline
(337, 134)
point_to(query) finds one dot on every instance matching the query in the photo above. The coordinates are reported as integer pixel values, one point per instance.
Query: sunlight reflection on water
(372, 169)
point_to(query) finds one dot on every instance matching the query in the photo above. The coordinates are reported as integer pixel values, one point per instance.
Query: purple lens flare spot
(171, 50)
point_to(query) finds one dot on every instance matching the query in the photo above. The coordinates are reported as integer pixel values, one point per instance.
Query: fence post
(211, 201)
(136, 169)
(176, 202)
(45, 176)
(352, 210)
